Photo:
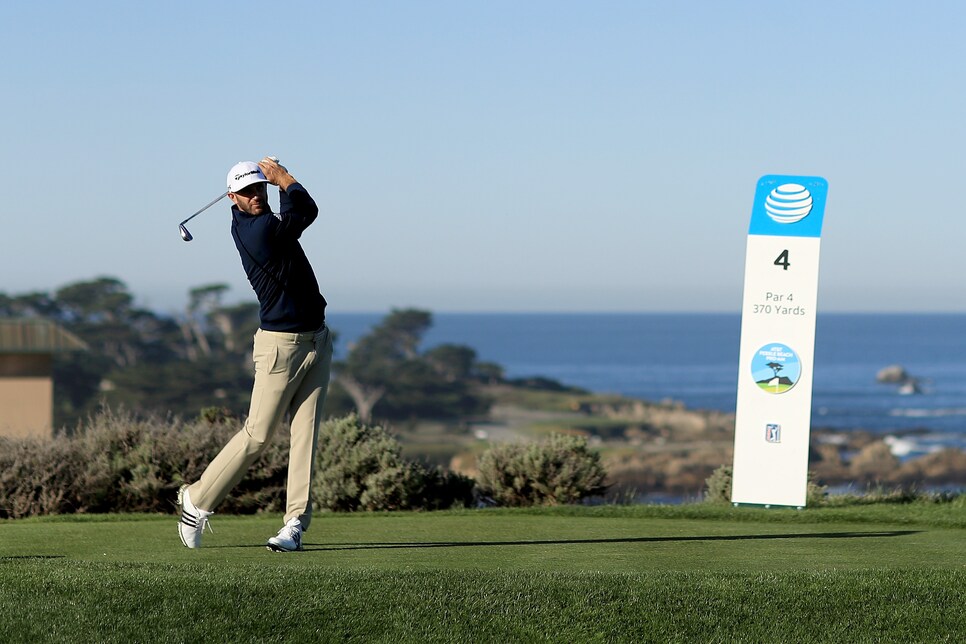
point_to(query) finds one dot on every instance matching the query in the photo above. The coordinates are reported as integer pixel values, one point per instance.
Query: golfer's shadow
(566, 542)
(22, 557)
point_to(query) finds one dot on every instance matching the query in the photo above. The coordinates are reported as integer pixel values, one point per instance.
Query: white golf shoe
(288, 539)
(193, 520)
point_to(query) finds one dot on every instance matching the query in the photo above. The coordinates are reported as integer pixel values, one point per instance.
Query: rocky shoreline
(685, 446)
(664, 448)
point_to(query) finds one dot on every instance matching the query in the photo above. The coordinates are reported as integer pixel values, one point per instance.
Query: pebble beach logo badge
(776, 368)
(788, 203)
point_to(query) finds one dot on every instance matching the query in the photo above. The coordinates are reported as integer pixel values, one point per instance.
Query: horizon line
(620, 312)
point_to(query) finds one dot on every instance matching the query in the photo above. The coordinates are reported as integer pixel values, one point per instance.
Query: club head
(185, 235)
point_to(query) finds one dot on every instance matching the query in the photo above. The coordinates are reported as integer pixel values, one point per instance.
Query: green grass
(884, 572)
(774, 389)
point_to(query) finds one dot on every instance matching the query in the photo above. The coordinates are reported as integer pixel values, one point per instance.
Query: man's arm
(295, 202)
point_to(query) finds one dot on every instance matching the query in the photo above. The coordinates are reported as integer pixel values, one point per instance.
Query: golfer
(292, 352)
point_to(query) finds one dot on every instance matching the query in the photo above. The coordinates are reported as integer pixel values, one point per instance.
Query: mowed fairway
(644, 573)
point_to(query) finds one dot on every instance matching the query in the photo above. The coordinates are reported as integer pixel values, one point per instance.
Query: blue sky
(488, 156)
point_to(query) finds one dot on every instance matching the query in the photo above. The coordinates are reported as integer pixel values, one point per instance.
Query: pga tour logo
(773, 433)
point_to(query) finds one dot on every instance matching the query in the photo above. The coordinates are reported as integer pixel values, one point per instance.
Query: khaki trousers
(291, 375)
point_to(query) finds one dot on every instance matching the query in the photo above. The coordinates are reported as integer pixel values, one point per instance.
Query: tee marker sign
(774, 406)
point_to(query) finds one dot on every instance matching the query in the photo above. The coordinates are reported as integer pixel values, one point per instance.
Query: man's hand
(276, 174)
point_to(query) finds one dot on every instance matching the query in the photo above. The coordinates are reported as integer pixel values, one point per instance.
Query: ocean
(693, 358)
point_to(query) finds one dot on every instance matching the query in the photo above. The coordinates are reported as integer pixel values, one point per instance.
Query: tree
(385, 374)
(201, 301)
(30, 305)
(144, 361)
(453, 362)
(101, 312)
(236, 325)
(489, 373)
(120, 336)
(776, 367)
(401, 331)
(367, 371)
(157, 363)
(99, 300)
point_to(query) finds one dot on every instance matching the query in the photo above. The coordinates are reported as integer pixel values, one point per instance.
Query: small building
(27, 348)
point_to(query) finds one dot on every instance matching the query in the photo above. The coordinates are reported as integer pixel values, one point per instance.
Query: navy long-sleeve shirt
(277, 268)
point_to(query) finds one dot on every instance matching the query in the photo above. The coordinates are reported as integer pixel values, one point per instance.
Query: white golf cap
(243, 174)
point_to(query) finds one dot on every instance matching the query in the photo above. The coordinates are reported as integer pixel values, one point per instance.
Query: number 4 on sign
(782, 260)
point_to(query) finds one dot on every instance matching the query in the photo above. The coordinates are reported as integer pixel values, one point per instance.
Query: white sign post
(774, 406)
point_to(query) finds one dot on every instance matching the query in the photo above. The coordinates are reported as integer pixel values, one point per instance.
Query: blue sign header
(789, 206)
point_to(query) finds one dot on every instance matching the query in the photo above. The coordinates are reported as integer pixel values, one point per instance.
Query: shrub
(351, 458)
(815, 493)
(118, 462)
(560, 470)
(30, 476)
(360, 467)
(444, 488)
(718, 488)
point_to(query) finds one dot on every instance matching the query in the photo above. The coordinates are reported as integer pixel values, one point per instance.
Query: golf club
(185, 235)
